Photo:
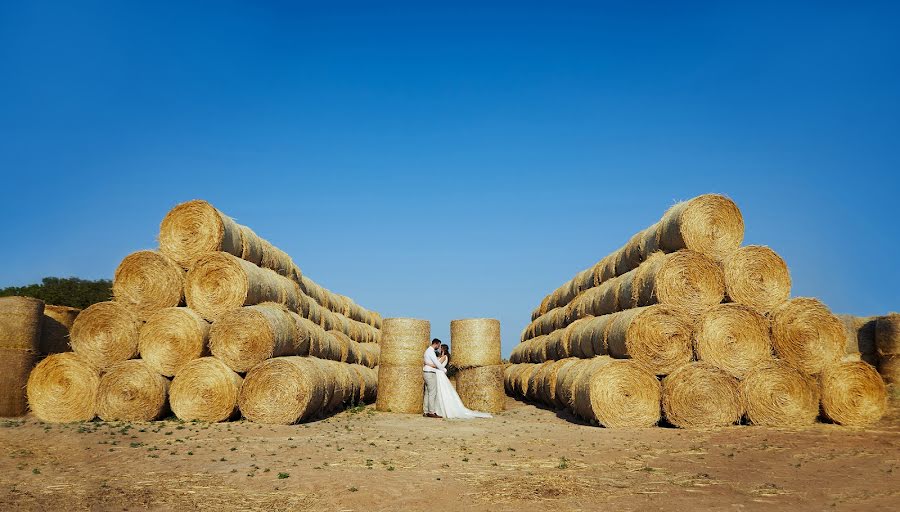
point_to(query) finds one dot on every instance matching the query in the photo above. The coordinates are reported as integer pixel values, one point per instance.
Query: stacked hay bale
(400, 378)
(887, 347)
(475, 346)
(713, 321)
(213, 288)
(20, 333)
(55, 327)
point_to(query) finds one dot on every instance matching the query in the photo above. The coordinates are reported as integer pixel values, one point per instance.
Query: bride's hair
(446, 349)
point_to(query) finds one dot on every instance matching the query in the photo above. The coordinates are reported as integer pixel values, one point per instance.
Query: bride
(448, 403)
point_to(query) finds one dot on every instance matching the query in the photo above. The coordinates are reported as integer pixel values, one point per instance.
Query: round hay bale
(710, 224)
(368, 383)
(889, 368)
(551, 378)
(331, 394)
(196, 227)
(55, 326)
(535, 378)
(63, 388)
(807, 335)
(131, 391)
(346, 384)
(404, 340)
(616, 393)
(205, 389)
(587, 337)
(147, 281)
(20, 323)
(219, 282)
(15, 366)
(757, 277)
(277, 260)
(524, 379)
(887, 335)
(171, 338)
(565, 382)
(344, 345)
(475, 342)
(251, 246)
(733, 337)
(518, 353)
(400, 388)
(370, 352)
(660, 337)
(282, 391)
(685, 279)
(508, 378)
(302, 335)
(311, 338)
(853, 394)
(245, 337)
(106, 333)
(699, 395)
(778, 395)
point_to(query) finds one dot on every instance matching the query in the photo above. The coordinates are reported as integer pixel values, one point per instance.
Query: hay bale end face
(779, 395)
(807, 335)
(853, 394)
(282, 391)
(205, 389)
(171, 338)
(20, 323)
(757, 277)
(659, 337)
(245, 337)
(481, 388)
(710, 224)
(196, 227)
(63, 388)
(734, 338)
(131, 391)
(475, 342)
(106, 333)
(699, 395)
(400, 389)
(55, 327)
(617, 394)
(15, 367)
(147, 281)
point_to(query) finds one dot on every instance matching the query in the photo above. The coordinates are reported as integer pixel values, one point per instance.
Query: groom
(432, 366)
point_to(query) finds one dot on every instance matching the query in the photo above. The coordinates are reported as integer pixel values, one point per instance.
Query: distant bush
(64, 291)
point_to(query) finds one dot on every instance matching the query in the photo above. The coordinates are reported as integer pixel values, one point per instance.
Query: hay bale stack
(63, 388)
(700, 395)
(481, 388)
(404, 340)
(400, 388)
(106, 333)
(131, 391)
(550, 382)
(245, 337)
(55, 327)
(205, 389)
(218, 282)
(710, 224)
(171, 338)
(147, 281)
(659, 337)
(616, 393)
(475, 342)
(779, 395)
(20, 323)
(853, 394)
(859, 335)
(369, 353)
(889, 368)
(757, 277)
(733, 337)
(807, 335)
(15, 367)
(887, 335)
(282, 391)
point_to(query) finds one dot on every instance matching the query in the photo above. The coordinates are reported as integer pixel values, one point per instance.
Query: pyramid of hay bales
(682, 323)
(214, 323)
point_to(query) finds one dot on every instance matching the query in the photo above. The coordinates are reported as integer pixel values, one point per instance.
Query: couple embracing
(441, 400)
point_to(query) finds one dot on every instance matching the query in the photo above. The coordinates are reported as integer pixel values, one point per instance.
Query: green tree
(64, 291)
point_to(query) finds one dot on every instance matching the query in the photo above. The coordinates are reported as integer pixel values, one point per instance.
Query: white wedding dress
(449, 404)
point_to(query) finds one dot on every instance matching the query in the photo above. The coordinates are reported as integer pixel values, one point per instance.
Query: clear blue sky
(457, 160)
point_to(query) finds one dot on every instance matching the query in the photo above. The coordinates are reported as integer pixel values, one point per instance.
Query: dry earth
(526, 458)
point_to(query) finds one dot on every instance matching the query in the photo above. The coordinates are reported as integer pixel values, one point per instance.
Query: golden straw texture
(757, 277)
(853, 394)
(734, 338)
(699, 395)
(481, 388)
(404, 341)
(807, 335)
(778, 395)
(887, 335)
(245, 337)
(282, 391)
(659, 337)
(55, 326)
(15, 367)
(475, 342)
(106, 333)
(400, 388)
(147, 281)
(617, 394)
(63, 388)
(205, 389)
(20, 323)
(196, 227)
(131, 391)
(171, 338)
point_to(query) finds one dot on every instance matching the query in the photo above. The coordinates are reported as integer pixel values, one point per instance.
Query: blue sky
(453, 160)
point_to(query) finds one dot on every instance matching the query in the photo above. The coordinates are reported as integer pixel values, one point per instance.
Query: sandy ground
(526, 458)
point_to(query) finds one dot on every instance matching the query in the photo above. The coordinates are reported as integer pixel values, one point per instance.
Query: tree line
(64, 291)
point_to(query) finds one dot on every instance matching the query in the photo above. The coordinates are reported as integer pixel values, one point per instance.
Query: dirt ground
(526, 458)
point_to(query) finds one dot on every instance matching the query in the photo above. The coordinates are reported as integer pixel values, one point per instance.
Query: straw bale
(807, 335)
(147, 281)
(205, 389)
(616, 393)
(700, 395)
(248, 336)
(853, 394)
(660, 337)
(171, 338)
(20, 323)
(476, 342)
(131, 391)
(778, 395)
(15, 366)
(106, 333)
(400, 388)
(55, 326)
(757, 277)
(733, 337)
(63, 388)
(282, 391)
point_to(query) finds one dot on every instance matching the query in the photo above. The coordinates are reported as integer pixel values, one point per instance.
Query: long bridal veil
(449, 404)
